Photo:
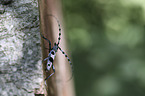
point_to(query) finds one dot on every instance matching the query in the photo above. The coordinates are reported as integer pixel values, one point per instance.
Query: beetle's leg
(50, 74)
(48, 41)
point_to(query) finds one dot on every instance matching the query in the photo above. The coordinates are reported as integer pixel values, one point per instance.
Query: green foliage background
(107, 41)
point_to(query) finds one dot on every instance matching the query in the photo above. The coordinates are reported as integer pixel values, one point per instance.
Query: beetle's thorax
(55, 47)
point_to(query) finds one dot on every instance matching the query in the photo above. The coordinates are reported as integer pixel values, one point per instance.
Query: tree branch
(49, 29)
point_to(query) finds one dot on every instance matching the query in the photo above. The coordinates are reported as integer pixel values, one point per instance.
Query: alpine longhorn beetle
(52, 52)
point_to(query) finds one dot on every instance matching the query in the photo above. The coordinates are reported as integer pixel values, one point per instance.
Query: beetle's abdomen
(50, 59)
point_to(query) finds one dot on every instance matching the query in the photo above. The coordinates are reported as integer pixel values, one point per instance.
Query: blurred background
(107, 44)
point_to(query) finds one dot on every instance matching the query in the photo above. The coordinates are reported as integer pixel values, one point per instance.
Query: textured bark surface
(20, 55)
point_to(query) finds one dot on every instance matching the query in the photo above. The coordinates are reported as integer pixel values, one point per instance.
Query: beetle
(52, 52)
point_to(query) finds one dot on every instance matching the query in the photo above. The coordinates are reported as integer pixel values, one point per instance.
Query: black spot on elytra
(51, 59)
(52, 53)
